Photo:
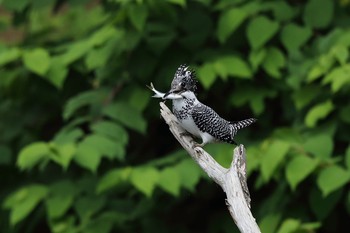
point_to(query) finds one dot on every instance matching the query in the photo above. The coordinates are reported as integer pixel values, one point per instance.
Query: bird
(197, 118)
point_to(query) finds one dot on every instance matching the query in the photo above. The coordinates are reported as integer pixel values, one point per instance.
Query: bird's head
(184, 80)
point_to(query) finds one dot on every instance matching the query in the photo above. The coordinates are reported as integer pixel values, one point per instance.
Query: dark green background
(82, 144)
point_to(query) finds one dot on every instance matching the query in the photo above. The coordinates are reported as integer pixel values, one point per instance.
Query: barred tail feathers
(242, 124)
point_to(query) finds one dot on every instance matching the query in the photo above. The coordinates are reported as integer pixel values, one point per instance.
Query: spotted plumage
(197, 118)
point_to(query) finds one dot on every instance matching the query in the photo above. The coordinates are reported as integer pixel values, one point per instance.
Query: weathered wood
(231, 180)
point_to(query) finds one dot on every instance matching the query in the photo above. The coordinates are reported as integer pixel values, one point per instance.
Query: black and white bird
(197, 118)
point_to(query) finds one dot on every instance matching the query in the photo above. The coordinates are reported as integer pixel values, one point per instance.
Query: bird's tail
(242, 124)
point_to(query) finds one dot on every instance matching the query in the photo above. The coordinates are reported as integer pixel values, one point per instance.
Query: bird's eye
(182, 84)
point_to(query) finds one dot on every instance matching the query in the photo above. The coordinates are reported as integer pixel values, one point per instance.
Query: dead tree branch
(232, 180)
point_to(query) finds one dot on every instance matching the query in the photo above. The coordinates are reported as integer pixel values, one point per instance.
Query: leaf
(229, 21)
(299, 168)
(323, 65)
(289, 225)
(83, 99)
(273, 157)
(137, 14)
(15, 5)
(206, 74)
(87, 156)
(347, 157)
(23, 202)
(139, 99)
(68, 136)
(32, 154)
(8, 55)
(339, 77)
(112, 130)
(112, 178)
(341, 53)
(318, 13)
(105, 146)
(294, 36)
(303, 96)
(345, 114)
(75, 51)
(37, 60)
(274, 61)
(320, 145)
(87, 206)
(64, 154)
(270, 222)
(318, 112)
(332, 178)
(127, 115)
(256, 57)
(322, 206)
(283, 11)
(169, 181)
(60, 198)
(178, 2)
(189, 173)
(57, 73)
(145, 179)
(260, 30)
(234, 66)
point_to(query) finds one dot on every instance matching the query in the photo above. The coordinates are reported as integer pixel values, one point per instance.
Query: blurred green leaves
(260, 30)
(76, 117)
(22, 202)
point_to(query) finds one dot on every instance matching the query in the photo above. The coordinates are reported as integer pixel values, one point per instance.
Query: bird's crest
(185, 76)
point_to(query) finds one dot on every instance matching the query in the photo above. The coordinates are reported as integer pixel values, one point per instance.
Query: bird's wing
(207, 120)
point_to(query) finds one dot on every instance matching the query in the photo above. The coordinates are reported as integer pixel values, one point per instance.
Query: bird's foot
(196, 144)
(185, 134)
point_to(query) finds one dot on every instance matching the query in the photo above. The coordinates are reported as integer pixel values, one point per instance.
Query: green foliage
(82, 146)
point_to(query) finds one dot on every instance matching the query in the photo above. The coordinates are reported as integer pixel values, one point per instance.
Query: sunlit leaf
(127, 115)
(169, 181)
(332, 178)
(233, 66)
(33, 154)
(269, 222)
(189, 173)
(229, 21)
(8, 55)
(274, 155)
(294, 36)
(87, 156)
(112, 178)
(206, 74)
(112, 130)
(260, 30)
(289, 225)
(318, 112)
(145, 179)
(320, 145)
(299, 168)
(22, 202)
(37, 60)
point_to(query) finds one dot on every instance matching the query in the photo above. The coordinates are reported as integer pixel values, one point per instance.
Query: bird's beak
(172, 94)
(168, 93)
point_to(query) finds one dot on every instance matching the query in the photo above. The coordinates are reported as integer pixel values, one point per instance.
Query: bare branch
(232, 180)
